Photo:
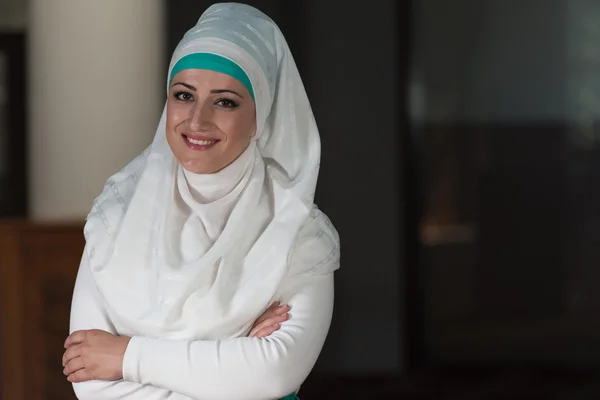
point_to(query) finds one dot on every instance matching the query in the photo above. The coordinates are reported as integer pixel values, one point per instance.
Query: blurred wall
(95, 95)
(351, 65)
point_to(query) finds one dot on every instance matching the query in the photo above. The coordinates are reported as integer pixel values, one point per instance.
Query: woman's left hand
(94, 355)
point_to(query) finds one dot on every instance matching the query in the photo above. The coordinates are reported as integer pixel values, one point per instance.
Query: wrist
(131, 357)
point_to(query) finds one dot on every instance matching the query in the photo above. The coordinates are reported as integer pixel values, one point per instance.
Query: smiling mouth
(200, 144)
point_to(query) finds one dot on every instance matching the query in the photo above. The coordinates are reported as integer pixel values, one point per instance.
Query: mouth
(199, 143)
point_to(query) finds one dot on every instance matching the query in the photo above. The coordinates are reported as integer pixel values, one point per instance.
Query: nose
(201, 116)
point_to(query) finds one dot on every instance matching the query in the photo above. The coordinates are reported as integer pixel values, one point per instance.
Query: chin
(198, 169)
(193, 164)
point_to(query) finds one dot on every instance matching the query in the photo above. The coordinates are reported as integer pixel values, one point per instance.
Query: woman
(193, 240)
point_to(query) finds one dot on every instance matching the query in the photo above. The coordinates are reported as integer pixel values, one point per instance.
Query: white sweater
(234, 369)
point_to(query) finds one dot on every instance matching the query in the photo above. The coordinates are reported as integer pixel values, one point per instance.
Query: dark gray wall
(351, 80)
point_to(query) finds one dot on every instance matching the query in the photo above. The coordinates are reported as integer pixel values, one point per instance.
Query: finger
(265, 315)
(71, 353)
(272, 312)
(73, 366)
(75, 338)
(270, 321)
(82, 375)
(253, 332)
(282, 309)
(278, 319)
(266, 322)
(266, 331)
(260, 326)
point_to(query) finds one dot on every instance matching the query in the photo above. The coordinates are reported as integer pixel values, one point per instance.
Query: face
(211, 119)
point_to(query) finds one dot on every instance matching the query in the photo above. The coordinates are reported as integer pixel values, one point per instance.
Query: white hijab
(180, 255)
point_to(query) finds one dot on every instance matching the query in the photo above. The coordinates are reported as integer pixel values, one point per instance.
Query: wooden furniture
(38, 266)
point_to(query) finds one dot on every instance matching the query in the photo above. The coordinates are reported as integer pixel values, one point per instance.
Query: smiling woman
(198, 249)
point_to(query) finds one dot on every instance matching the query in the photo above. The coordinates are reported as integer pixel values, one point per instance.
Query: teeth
(200, 142)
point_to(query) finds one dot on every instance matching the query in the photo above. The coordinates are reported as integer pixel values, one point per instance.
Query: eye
(184, 96)
(226, 103)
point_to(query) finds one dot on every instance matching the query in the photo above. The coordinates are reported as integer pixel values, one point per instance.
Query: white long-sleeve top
(241, 368)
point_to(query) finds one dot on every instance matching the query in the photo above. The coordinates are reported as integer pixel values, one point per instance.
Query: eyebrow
(216, 91)
(184, 84)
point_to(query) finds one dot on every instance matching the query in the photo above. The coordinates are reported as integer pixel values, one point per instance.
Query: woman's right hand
(270, 321)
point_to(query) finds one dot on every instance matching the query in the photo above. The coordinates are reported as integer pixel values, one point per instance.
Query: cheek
(239, 130)
(175, 116)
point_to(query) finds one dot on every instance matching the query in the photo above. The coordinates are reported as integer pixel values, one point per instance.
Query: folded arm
(248, 368)
(241, 368)
(87, 312)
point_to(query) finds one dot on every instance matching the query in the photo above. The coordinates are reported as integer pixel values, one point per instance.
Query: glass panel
(505, 106)
(3, 124)
(4, 192)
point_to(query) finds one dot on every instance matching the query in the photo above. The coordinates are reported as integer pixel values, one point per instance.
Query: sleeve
(242, 368)
(87, 312)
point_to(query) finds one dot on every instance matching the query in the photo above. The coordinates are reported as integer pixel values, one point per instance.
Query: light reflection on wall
(583, 62)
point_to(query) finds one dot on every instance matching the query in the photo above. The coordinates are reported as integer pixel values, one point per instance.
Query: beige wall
(96, 89)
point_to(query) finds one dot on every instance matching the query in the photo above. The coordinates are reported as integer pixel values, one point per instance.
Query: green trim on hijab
(215, 63)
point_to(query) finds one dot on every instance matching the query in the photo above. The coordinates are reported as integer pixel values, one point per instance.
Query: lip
(196, 136)
(194, 146)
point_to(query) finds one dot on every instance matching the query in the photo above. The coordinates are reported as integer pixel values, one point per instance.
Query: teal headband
(212, 62)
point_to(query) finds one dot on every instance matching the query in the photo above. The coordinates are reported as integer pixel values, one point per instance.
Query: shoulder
(119, 188)
(318, 226)
(316, 249)
(109, 207)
